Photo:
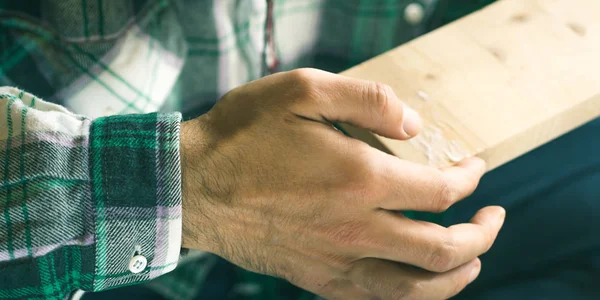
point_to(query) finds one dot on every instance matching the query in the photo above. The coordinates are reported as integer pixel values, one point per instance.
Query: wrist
(196, 219)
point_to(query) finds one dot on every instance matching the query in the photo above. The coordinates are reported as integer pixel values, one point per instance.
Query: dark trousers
(549, 247)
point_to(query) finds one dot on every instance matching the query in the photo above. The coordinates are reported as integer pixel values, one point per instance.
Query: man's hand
(270, 185)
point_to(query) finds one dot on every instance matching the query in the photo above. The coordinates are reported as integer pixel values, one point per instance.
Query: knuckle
(444, 197)
(379, 95)
(368, 172)
(303, 86)
(355, 270)
(443, 255)
(303, 76)
(364, 179)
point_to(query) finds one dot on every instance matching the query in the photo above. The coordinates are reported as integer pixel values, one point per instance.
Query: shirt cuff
(136, 188)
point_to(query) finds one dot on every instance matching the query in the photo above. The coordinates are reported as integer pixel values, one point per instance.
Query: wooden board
(496, 83)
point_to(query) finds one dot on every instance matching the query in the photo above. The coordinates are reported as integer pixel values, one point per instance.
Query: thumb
(366, 104)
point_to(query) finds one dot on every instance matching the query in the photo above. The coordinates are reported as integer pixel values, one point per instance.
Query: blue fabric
(549, 247)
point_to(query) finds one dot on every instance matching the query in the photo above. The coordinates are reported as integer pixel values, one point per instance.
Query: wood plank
(497, 83)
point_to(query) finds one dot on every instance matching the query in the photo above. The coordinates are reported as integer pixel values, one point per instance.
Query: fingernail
(475, 271)
(411, 124)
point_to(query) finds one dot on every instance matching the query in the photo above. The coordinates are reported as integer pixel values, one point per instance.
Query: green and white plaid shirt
(82, 193)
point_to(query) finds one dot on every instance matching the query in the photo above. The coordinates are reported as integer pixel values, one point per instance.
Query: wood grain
(496, 83)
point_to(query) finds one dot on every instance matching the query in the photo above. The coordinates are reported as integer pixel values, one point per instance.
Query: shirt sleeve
(86, 204)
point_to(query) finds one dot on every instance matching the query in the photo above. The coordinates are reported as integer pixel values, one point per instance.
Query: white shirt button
(414, 13)
(137, 264)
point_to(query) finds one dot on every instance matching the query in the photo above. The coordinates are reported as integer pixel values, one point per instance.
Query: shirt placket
(271, 61)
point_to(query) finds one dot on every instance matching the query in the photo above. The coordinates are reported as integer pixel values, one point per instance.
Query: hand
(270, 185)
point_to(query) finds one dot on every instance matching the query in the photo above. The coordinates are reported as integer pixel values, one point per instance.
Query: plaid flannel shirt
(82, 193)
